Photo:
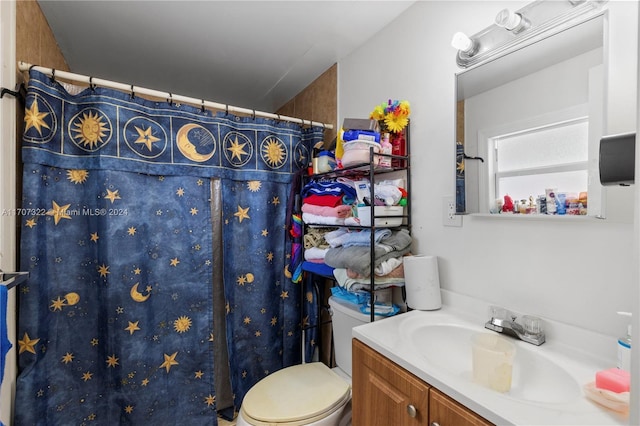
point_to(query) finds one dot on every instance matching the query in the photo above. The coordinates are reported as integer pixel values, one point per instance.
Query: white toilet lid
(296, 393)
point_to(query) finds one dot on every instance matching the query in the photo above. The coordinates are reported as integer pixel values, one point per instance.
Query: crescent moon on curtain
(136, 295)
(190, 149)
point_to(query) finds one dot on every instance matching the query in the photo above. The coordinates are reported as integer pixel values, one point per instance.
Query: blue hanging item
(5, 344)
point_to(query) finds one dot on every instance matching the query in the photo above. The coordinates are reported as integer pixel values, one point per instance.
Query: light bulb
(511, 21)
(461, 42)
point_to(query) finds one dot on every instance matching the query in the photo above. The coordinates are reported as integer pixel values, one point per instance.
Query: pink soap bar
(614, 380)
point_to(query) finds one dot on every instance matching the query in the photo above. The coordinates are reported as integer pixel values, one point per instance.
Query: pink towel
(342, 211)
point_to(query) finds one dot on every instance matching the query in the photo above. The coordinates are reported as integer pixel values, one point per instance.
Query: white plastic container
(357, 152)
(624, 347)
(492, 361)
(364, 214)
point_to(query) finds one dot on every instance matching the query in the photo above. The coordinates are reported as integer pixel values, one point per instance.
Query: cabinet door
(444, 411)
(385, 394)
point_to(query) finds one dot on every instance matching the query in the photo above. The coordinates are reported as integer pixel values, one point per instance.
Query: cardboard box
(360, 124)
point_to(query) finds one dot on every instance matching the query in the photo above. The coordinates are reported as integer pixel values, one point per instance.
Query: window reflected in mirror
(531, 162)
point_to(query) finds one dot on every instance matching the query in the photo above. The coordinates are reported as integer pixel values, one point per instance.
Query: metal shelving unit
(372, 171)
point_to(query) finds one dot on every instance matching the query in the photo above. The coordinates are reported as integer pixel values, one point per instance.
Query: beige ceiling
(252, 54)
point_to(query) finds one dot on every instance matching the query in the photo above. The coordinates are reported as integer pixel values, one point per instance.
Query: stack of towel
(327, 202)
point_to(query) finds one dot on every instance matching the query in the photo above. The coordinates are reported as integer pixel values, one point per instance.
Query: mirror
(530, 122)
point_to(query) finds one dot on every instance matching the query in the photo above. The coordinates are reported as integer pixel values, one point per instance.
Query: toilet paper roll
(422, 282)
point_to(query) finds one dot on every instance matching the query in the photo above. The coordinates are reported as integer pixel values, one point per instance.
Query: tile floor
(223, 422)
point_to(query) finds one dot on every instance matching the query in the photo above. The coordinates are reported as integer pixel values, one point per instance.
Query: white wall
(578, 273)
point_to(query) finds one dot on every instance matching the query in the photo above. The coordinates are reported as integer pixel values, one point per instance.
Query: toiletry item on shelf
(614, 380)
(561, 203)
(507, 206)
(550, 195)
(385, 148)
(542, 204)
(522, 207)
(360, 135)
(624, 347)
(326, 161)
(315, 159)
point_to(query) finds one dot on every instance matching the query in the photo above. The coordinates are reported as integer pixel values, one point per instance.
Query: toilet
(310, 394)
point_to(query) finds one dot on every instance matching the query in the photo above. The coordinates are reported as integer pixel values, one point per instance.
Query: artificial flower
(393, 116)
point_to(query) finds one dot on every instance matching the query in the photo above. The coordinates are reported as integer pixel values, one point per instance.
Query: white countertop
(392, 338)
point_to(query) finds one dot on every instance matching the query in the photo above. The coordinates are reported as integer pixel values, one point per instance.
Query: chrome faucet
(528, 329)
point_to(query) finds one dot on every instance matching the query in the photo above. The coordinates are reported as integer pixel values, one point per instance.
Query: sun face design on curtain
(115, 322)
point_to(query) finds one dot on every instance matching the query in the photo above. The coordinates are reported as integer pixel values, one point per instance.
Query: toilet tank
(344, 317)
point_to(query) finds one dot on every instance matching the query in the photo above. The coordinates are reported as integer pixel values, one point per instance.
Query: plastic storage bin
(364, 214)
(357, 152)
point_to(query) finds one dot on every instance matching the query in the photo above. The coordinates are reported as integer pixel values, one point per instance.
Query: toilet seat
(296, 395)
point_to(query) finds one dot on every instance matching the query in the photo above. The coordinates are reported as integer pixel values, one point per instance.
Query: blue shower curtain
(115, 321)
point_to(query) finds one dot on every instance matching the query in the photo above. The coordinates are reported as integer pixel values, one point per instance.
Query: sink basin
(535, 377)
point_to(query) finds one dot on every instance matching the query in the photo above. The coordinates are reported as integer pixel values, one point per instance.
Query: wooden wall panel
(35, 42)
(317, 102)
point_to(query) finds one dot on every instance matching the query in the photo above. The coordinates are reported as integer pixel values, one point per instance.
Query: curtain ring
(202, 108)
(53, 75)
(253, 116)
(91, 85)
(278, 117)
(133, 94)
(170, 100)
(226, 110)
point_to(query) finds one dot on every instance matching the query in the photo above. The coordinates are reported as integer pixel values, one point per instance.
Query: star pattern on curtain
(117, 237)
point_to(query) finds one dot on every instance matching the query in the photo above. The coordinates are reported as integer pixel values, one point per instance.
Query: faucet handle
(498, 312)
(532, 325)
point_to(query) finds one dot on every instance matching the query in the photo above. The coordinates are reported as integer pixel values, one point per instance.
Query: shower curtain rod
(24, 66)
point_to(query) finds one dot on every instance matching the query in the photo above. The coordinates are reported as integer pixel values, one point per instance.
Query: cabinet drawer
(444, 411)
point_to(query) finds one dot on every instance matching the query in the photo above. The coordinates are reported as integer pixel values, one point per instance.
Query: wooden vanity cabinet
(444, 411)
(385, 394)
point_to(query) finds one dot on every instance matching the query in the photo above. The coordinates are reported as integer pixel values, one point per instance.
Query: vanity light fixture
(527, 25)
(463, 43)
(512, 21)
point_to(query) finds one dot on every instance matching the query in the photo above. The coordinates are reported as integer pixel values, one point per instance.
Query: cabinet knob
(411, 410)
(435, 424)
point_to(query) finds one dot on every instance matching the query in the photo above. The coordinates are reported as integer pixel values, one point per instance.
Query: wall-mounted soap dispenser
(624, 347)
(617, 159)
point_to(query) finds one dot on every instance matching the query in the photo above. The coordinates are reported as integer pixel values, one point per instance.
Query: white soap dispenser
(624, 347)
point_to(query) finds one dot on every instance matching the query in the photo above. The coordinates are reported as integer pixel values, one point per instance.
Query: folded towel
(355, 284)
(315, 219)
(347, 237)
(358, 258)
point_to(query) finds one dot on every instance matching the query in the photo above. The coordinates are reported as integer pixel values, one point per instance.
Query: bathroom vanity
(385, 393)
(415, 369)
